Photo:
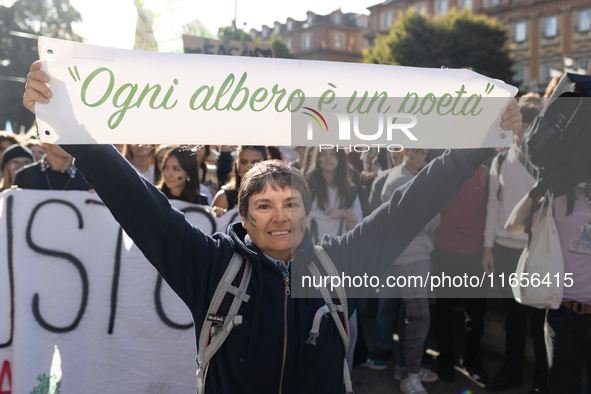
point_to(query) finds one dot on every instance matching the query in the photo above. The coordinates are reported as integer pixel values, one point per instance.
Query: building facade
(337, 36)
(547, 36)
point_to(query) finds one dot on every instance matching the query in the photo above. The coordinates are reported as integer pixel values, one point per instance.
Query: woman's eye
(263, 206)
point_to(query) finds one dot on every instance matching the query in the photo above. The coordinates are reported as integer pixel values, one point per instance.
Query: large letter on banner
(107, 95)
(65, 260)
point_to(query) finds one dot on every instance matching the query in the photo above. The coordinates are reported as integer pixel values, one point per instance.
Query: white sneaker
(412, 385)
(425, 375)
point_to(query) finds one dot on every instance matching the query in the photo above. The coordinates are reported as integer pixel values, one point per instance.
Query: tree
(280, 50)
(456, 40)
(233, 33)
(19, 25)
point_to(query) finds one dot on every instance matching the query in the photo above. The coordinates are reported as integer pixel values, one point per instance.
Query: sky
(112, 22)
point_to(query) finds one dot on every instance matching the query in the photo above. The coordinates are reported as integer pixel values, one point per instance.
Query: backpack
(556, 146)
(216, 328)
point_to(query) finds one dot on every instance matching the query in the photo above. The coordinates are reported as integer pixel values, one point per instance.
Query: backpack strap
(216, 328)
(331, 308)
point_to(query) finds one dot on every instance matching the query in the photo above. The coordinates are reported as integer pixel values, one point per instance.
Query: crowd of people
(468, 236)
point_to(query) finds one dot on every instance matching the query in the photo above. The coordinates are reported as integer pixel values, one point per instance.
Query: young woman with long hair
(141, 156)
(333, 191)
(180, 179)
(245, 159)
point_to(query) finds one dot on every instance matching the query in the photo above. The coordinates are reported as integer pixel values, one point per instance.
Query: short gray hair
(278, 175)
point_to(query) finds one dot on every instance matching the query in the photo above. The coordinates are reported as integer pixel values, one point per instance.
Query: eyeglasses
(15, 165)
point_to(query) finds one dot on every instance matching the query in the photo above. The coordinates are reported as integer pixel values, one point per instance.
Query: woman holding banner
(269, 351)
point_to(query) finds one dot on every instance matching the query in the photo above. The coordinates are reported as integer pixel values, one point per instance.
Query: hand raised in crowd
(36, 89)
(511, 119)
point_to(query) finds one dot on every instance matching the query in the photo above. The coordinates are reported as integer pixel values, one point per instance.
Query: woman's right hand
(36, 89)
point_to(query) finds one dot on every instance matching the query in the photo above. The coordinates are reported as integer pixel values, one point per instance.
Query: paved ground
(366, 381)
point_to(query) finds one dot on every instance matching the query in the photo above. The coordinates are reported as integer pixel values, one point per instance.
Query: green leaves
(50, 18)
(456, 40)
(44, 385)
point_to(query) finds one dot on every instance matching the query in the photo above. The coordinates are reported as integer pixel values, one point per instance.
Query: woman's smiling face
(275, 221)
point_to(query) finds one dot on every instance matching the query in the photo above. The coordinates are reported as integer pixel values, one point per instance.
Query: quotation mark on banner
(491, 86)
(76, 77)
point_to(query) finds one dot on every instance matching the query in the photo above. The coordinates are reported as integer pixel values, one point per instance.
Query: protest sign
(209, 46)
(78, 299)
(107, 95)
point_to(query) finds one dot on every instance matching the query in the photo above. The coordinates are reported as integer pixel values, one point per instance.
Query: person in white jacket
(509, 181)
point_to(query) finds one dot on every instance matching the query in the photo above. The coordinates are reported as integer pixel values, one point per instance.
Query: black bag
(556, 148)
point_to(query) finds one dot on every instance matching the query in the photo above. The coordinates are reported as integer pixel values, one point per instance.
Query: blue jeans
(414, 317)
(386, 321)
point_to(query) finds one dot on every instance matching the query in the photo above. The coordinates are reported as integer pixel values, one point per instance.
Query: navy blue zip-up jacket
(252, 358)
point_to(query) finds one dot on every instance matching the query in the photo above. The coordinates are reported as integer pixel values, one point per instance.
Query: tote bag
(540, 262)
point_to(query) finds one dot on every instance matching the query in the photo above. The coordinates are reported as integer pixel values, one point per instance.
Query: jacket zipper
(287, 293)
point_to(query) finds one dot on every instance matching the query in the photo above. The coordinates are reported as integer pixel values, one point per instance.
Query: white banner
(107, 95)
(79, 300)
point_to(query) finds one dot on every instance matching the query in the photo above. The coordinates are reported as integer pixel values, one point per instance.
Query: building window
(306, 42)
(288, 44)
(490, 3)
(520, 32)
(520, 75)
(265, 33)
(310, 19)
(583, 64)
(338, 41)
(337, 19)
(253, 35)
(585, 20)
(421, 8)
(551, 27)
(289, 25)
(546, 74)
(361, 23)
(277, 29)
(386, 19)
(465, 4)
(441, 7)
